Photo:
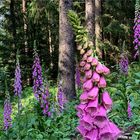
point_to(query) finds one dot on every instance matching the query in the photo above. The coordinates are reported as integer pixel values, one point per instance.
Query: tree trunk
(12, 12)
(90, 16)
(27, 76)
(98, 30)
(66, 51)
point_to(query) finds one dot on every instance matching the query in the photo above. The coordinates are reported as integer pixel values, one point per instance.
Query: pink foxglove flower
(92, 107)
(99, 68)
(96, 77)
(81, 110)
(102, 82)
(84, 98)
(93, 134)
(88, 85)
(109, 132)
(93, 93)
(82, 130)
(88, 74)
(89, 52)
(82, 63)
(87, 122)
(106, 99)
(87, 66)
(89, 59)
(106, 70)
(94, 62)
(100, 118)
(84, 57)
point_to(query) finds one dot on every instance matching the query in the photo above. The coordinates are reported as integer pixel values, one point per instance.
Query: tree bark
(98, 30)
(66, 51)
(90, 18)
(12, 13)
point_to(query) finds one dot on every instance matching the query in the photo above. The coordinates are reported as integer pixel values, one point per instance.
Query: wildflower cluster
(37, 77)
(123, 64)
(95, 100)
(7, 113)
(137, 29)
(17, 81)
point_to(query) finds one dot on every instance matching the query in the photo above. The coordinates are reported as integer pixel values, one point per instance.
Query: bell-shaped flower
(100, 118)
(82, 51)
(89, 59)
(92, 135)
(94, 62)
(82, 130)
(102, 82)
(88, 74)
(106, 70)
(84, 98)
(99, 68)
(82, 63)
(84, 58)
(92, 107)
(89, 52)
(80, 108)
(96, 77)
(87, 66)
(116, 131)
(87, 122)
(109, 132)
(88, 85)
(106, 99)
(92, 94)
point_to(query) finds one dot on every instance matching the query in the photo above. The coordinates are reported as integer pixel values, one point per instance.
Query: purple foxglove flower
(106, 99)
(17, 81)
(77, 77)
(92, 107)
(129, 111)
(88, 74)
(102, 82)
(94, 62)
(88, 85)
(100, 118)
(45, 102)
(84, 98)
(87, 66)
(96, 77)
(123, 64)
(7, 114)
(99, 68)
(137, 29)
(92, 135)
(87, 122)
(82, 130)
(93, 93)
(60, 97)
(37, 77)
